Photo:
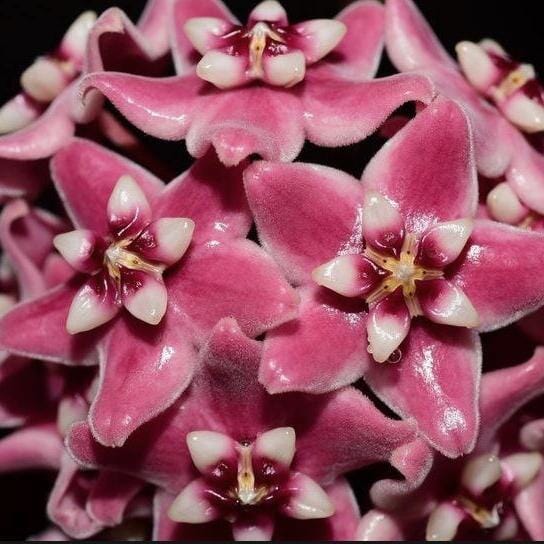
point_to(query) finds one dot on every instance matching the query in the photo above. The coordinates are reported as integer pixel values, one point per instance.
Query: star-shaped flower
(229, 454)
(120, 248)
(405, 242)
(263, 87)
(496, 492)
(485, 73)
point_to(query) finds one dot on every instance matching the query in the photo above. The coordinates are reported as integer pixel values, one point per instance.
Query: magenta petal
(85, 175)
(505, 391)
(44, 335)
(163, 108)
(305, 354)
(427, 171)
(435, 382)
(33, 447)
(21, 178)
(135, 355)
(339, 112)
(66, 505)
(183, 10)
(411, 43)
(212, 196)
(110, 496)
(44, 136)
(365, 26)
(237, 125)
(529, 503)
(303, 237)
(153, 22)
(253, 290)
(502, 273)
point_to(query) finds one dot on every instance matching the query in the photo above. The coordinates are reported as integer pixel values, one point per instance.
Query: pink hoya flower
(43, 117)
(262, 87)
(132, 231)
(398, 264)
(229, 456)
(485, 73)
(496, 493)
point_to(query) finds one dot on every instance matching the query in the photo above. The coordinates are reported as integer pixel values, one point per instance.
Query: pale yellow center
(515, 80)
(117, 257)
(259, 35)
(487, 519)
(246, 492)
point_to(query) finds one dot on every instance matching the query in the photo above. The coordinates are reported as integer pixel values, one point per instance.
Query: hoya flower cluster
(230, 353)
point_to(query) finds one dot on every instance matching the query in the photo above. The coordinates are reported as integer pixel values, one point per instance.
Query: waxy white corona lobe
(241, 480)
(127, 265)
(266, 49)
(401, 275)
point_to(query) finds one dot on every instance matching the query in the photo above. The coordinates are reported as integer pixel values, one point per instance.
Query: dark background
(31, 27)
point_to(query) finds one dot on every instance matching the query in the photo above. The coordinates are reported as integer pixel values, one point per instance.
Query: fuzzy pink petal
(237, 125)
(110, 496)
(410, 41)
(302, 237)
(66, 505)
(153, 22)
(502, 273)
(212, 196)
(44, 335)
(185, 56)
(340, 112)
(85, 175)
(529, 503)
(436, 382)
(136, 354)
(306, 354)
(341, 526)
(504, 391)
(45, 136)
(365, 26)
(163, 108)
(21, 178)
(427, 171)
(33, 447)
(252, 288)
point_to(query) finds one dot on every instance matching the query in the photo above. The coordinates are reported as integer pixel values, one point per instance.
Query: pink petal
(21, 178)
(365, 26)
(411, 43)
(427, 171)
(342, 112)
(163, 108)
(237, 126)
(183, 10)
(66, 505)
(85, 175)
(305, 355)
(44, 335)
(153, 22)
(435, 382)
(529, 503)
(33, 447)
(253, 290)
(505, 391)
(45, 136)
(212, 196)
(134, 356)
(349, 433)
(110, 496)
(501, 273)
(302, 238)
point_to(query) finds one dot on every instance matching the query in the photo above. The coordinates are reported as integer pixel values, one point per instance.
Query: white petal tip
(454, 308)
(310, 501)
(75, 40)
(285, 70)
(88, 311)
(385, 334)
(43, 80)
(324, 36)
(6, 303)
(481, 473)
(277, 445)
(191, 507)
(270, 11)
(74, 246)
(207, 448)
(149, 302)
(524, 467)
(201, 31)
(524, 112)
(126, 198)
(443, 523)
(174, 237)
(222, 70)
(476, 64)
(504, 205)
(338, 275)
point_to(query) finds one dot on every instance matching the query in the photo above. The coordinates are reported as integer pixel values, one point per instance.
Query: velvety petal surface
(501, 273)
(436, 382)
(529, 503)
(427, 171)
(85, 175)
(305, 214)
(21, 178)
(323, 349)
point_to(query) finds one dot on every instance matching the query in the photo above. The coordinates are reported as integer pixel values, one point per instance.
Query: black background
(31, 27)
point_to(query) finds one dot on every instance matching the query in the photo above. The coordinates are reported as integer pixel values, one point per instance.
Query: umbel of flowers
(244, 349)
